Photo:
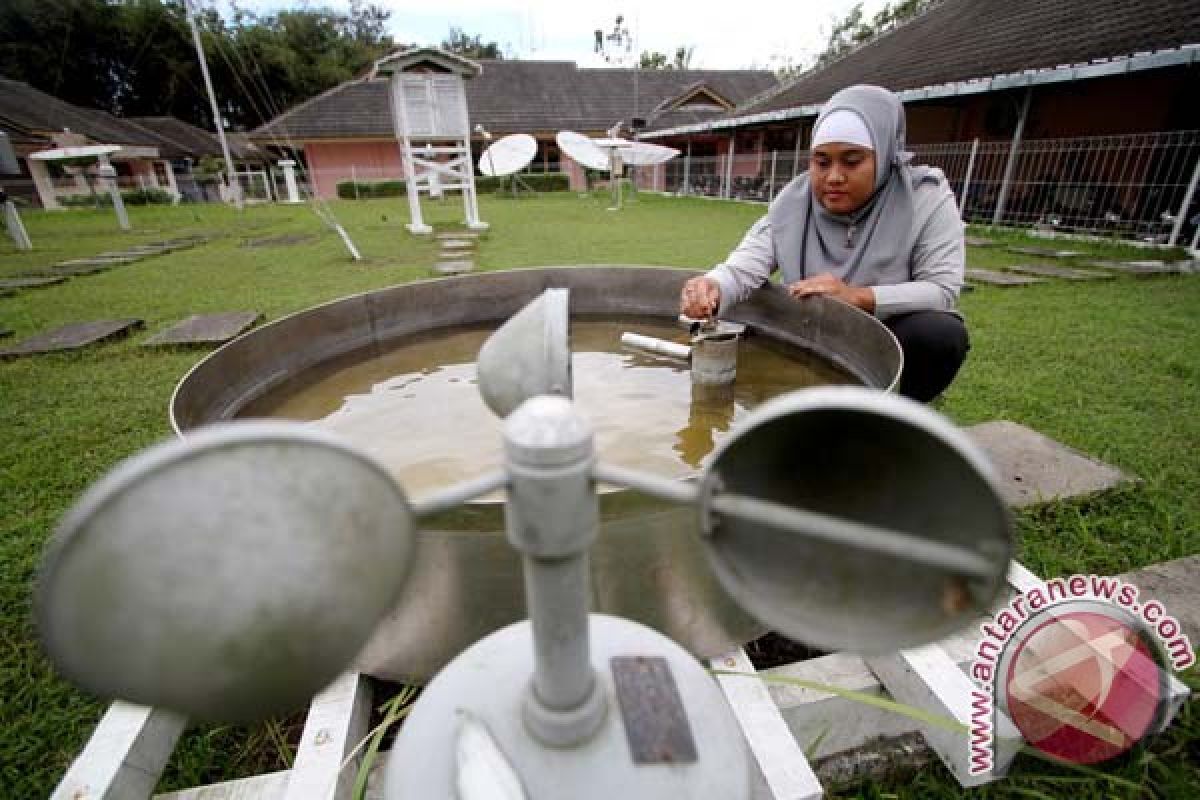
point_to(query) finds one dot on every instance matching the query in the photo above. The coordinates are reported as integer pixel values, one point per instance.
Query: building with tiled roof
(347, 131)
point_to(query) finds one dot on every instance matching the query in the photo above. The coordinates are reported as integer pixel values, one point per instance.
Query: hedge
(133, 197)
(541, 182)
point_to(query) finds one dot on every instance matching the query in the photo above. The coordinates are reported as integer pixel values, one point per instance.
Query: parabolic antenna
(643, 154)
(60, 153)
(581, 149)
(508, 155)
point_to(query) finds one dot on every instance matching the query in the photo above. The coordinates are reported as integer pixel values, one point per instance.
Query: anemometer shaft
(551, 518)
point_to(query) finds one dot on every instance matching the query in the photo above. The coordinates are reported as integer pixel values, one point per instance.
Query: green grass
(1109, 368)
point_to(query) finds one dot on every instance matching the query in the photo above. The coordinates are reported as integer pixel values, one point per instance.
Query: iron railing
(1133, 186)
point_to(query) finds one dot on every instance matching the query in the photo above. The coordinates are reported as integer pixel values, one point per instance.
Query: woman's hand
(700, 298)
(826, 284)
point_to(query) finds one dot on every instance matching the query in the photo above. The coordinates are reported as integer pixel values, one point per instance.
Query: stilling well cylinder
(714, 359)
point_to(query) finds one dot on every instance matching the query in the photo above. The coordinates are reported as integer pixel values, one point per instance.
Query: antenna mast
(234, 187)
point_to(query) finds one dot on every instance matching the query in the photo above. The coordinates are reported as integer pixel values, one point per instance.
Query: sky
(562, 29)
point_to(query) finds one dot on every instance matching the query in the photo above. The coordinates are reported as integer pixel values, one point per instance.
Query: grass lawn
(1110, 368)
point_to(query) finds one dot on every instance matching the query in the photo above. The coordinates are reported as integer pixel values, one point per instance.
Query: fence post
(354, 180)
(967, 180)
(727, 193)
(1011, 166)
(1181, 215)
(687, 168)
(771, 191)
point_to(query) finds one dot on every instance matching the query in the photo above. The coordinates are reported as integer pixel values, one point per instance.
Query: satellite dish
(229, 575)
(901, 536)
(508, 155)
(582, 150)
(643, 154)
(90, 151)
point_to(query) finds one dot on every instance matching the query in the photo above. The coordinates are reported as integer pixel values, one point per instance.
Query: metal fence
(1139, 186)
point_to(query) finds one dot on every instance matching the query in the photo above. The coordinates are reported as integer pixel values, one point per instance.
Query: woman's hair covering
(873, 240)
(842, 126)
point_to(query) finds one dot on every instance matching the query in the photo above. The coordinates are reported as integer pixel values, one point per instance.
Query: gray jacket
(932, 281)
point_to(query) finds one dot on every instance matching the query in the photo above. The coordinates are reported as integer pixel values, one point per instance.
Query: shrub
(133, 197)
(542, 182)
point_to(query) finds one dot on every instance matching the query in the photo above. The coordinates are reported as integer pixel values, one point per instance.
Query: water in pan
(417, 408)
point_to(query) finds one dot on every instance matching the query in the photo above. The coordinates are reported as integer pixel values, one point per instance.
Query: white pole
(771, 191)
(234, 186)
(15, 228)
(1011, 166)
(962, 208)
(1181, 215)
(729, 166)
(687, 168)
(354, 181)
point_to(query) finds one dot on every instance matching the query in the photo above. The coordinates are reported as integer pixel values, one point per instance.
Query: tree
(136, 57)
(852, 30)
(653, 59)
(470, 46)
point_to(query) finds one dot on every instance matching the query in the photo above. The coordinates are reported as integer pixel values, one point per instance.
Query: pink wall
(330, 163)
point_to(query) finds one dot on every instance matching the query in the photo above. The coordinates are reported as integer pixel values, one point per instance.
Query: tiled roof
(959, 40)
(518, 96)
(179, 139)
(24, 107)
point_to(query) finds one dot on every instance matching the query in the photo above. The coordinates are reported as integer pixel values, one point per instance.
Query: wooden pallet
(845, 739)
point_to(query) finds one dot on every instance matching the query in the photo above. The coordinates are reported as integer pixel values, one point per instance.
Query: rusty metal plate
(656, 722)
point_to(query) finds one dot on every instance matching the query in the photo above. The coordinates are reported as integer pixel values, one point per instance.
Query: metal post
(552, 518)
(728, 188)
(108, 174)
(687, 168)
(1181, 215)
(212, 99)
(966, 187)
(16, 229)
(1011, 166)
(771, 191)
(796, 155)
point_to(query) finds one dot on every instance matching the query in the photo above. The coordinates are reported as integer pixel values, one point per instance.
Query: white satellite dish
(582, 150)
(643, 154)
(508, 155)
(90, 151)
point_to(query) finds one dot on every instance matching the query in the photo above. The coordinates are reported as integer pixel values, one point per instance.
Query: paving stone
(1066, 273)
(454, 267)
(995, 278)
(206, 329)
(1043, 252)
(111, 260)
(1173, 583)
(457, 244)
(456, 235)
(1034, 469)
(71, 337)
(978, 241)
(1143, 268)
(85, 269)
(32, 281)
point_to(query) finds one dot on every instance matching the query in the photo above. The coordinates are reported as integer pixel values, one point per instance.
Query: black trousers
(935, 344)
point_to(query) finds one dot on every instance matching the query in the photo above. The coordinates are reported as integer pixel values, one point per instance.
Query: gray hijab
(877, 239)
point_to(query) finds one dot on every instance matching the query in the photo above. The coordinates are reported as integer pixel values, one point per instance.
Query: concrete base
(995, 278)
(478, 226)
(72, 337)
(454, 267)
(1044, 252)
(419, 230)
(206, 329)
(31, 282)
(1066, 273)
(1036, 469)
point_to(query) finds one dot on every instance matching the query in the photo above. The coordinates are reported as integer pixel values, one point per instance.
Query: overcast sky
(725, 35)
